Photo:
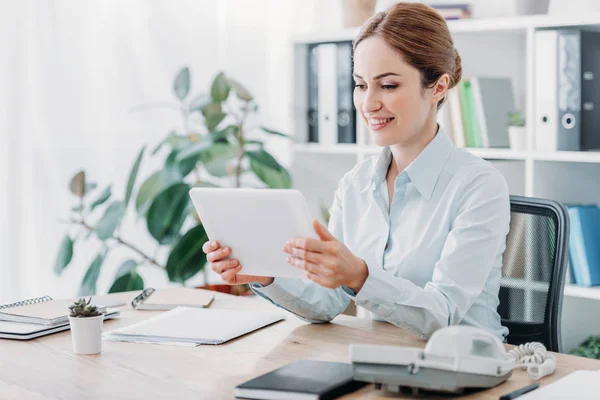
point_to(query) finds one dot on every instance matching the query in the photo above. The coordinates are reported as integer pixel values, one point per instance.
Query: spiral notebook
(41, 310)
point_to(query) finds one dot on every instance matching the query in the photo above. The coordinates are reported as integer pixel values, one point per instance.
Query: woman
(416, 234)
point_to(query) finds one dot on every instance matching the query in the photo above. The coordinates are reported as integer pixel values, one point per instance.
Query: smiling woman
(416, 234)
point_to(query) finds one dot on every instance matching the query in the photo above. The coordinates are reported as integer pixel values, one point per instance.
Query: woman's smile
(379, 123)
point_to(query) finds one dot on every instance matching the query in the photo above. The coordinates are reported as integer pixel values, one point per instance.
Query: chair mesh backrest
(527, 267)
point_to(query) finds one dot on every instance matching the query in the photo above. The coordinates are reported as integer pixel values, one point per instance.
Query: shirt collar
(424, 171)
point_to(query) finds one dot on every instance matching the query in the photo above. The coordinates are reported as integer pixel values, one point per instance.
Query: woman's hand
(327, 261)
(228, 269)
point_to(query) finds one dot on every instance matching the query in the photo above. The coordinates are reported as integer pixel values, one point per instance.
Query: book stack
(38, 317)
(476, 113)
(453, 11)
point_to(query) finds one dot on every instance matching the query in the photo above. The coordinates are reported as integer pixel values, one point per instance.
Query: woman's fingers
(209, 246)
(303, 264)
(218, 254)
(229, 276)
(221, 266)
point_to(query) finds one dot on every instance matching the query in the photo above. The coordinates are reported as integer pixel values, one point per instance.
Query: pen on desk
(518, 392)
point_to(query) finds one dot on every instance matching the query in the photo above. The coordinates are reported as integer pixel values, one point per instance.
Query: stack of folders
(584, 240)
(567, 89)
(477, 112)
(38, 317)
(331, 114)
(194, 326)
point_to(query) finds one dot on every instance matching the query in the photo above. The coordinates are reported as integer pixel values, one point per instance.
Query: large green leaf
(155, 184)
(127, 283)
(133, 175)
(126, 268)
(200, 101)
(217, 158)
(184, 167)
(194, 149)
(226, 133)
(168, 212)
(181, 86)
(264, 158)
(187, 258)
(268, 170)
(127, 278)
(213, 115)
(77, 184)
(219, 90)
(272, 178)
(272, 132)
(111, 219)
(65, 254)
(174, 140)
(241, 91)
(101, 199)
(88, 285)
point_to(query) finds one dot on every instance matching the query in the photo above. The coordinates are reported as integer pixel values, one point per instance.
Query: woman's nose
(371, 103)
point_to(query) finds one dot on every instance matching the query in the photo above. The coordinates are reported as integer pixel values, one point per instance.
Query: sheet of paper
(195, 325)
(580, 385)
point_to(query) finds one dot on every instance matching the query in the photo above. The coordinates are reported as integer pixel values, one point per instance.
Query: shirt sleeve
(308, 300)
(475, 241)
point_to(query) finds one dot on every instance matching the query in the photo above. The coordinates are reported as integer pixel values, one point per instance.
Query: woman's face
(388, 94)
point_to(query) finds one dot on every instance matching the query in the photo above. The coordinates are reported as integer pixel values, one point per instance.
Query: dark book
(304, 379)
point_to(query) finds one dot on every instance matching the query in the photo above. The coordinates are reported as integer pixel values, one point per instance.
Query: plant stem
(124, 243)
(240, 155)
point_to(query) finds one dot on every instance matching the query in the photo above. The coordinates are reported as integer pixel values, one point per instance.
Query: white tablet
(255, 223)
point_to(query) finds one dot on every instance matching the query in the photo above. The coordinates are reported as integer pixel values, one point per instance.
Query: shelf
(475, 25)
(592, 293)
(571, 290)
(568, 156)
(321, 149)
(485, 153)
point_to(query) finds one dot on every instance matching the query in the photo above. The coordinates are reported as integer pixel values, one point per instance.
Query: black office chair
(533, 271)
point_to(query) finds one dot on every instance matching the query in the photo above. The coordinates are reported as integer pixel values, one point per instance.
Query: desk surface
(46, 368)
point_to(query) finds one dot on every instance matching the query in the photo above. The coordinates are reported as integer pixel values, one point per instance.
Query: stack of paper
(26, 331)
(184, 325)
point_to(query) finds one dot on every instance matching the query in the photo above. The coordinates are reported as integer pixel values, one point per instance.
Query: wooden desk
(46, 368)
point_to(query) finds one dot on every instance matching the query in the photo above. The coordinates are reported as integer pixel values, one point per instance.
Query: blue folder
(584, 244)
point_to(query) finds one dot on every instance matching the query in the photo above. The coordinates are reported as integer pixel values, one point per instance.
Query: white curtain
(70, 75)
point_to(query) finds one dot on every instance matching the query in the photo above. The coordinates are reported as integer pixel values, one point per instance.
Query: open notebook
(41, 310)
(194, 325)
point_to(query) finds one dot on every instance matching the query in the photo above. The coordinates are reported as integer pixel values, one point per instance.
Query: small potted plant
(86, 327)
(516, 131)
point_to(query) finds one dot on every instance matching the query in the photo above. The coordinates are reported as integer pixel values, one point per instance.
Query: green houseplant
(222, 152)
(86, 327)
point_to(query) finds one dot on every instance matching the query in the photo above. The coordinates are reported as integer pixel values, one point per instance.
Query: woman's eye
(359, 86)
(389, 87)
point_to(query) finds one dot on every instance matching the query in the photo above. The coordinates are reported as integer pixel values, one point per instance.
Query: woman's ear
(440, 88)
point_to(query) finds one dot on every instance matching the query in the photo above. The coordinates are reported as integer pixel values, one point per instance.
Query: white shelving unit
(490, 47)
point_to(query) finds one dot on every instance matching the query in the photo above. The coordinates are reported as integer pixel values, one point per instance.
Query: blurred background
(112, 110)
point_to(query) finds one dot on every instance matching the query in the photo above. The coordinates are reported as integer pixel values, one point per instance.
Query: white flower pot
(86, 334)
(517, 138)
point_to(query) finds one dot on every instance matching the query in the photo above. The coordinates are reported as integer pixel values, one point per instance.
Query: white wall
(71, 73)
